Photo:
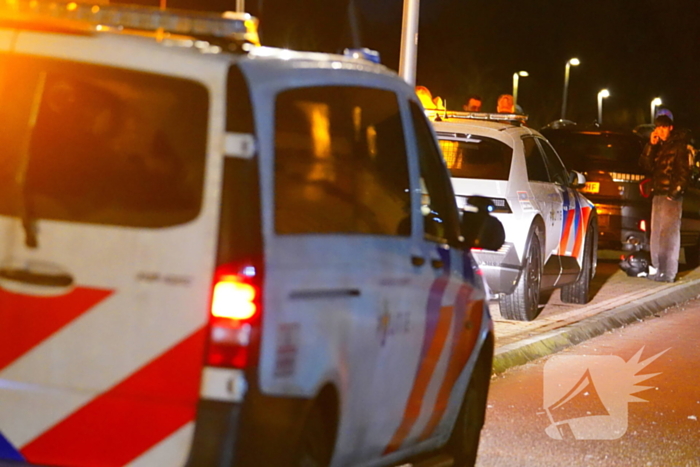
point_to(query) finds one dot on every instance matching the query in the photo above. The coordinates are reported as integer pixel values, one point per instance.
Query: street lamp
(516, 79)
(408, 55)
(601, 95)
(574, 62)
(654, 104)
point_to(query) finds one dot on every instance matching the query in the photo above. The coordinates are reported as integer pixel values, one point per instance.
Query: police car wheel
(523, 304)
(315, 448)
(579, 291)
(464, 440)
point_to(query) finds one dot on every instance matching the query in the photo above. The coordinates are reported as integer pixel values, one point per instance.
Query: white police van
(218, 254)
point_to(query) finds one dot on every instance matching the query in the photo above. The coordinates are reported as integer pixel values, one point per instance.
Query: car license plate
(591, 187)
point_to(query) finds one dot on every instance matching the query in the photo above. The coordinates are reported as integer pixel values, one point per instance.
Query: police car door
(104, 271)
(450, 309)
(340, 283)
(548, 199)
(574, 215)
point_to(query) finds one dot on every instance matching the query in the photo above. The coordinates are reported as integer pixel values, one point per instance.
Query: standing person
(473, 103)
(504, 104)
(665, 157)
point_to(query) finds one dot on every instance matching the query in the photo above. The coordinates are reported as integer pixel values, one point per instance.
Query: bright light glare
(523, 73)
(656, 102)
(233, 299)
(575, 61)
(604, 93)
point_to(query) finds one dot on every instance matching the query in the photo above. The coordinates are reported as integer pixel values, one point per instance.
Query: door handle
(36, 278)
(417, 260)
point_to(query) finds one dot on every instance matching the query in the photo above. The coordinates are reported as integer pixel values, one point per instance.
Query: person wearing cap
(665, 157)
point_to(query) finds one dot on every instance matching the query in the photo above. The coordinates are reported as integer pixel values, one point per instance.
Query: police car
(551, 228)
(215, 253)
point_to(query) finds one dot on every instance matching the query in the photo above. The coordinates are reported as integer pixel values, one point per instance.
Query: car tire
(315, 448)
(464, 439)
(523, 304)
(579, 292)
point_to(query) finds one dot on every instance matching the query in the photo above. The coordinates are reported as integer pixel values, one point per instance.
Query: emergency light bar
(496, 117)
(237, 27)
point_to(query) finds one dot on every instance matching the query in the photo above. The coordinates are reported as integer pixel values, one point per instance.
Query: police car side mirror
(478, 227)
(576, 179)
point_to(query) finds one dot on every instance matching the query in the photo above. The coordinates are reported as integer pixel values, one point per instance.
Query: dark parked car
(610, 161)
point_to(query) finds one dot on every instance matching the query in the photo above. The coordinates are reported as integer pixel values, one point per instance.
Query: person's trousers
(665, 243)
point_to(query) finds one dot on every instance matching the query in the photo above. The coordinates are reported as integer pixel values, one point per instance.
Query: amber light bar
(240, 27)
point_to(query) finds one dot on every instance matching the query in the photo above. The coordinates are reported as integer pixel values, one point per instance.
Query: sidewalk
(618, 300)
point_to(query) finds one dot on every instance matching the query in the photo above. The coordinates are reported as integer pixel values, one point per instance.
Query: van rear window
(340, 162)
(102, 145)
(477, 157)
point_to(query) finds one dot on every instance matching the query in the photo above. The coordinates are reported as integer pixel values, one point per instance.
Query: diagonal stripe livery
(464, 318)
(127, 420)
(35, 319)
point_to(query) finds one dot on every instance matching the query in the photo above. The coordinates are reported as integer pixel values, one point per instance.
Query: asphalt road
(598, 425)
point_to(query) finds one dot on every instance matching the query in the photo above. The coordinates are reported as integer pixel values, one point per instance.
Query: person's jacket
(668, 164)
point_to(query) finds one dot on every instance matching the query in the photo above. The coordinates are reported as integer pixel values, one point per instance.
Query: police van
(220, 254)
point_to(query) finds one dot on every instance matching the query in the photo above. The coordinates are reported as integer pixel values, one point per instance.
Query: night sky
(638, 49)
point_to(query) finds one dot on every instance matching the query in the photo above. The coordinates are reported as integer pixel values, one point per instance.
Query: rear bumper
(501, 269)
(261, 430)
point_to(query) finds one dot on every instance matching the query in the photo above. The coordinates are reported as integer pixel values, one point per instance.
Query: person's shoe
(661, 277)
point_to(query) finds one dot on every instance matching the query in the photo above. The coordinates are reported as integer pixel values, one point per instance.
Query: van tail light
(235, 316)
(643, 225)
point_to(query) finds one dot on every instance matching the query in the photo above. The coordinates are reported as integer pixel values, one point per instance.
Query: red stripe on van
(28, 320)
(135, 415)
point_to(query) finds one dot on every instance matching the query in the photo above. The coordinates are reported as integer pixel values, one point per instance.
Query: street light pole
(567, 68)
(654, 104)
(409, 41)
(601, 95)
(516, 81)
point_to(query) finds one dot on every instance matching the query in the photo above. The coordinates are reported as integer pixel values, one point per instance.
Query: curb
(531, 348)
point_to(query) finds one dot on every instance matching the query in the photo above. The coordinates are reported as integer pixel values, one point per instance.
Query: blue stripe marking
(565, 216)
(8, 451)
(577, 218)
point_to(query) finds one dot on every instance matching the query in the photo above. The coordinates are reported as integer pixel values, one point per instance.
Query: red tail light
(234, 316)
(643, 225)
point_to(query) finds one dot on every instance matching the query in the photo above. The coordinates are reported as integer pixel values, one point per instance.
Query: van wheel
(579, 291)
(464, 440)
(524, 303)
(315, 447)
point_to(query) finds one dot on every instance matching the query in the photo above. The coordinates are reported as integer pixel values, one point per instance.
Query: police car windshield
(94, 144)
(586, 151)
(477, 157)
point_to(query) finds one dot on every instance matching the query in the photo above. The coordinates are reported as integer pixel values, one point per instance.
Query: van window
(477, 157)
(534, 161)
(340, 162)
(95, 144)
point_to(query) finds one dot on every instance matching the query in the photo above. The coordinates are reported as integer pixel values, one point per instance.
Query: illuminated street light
(574, 62)
(516, 80)
(654, 104)
(601, 95)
